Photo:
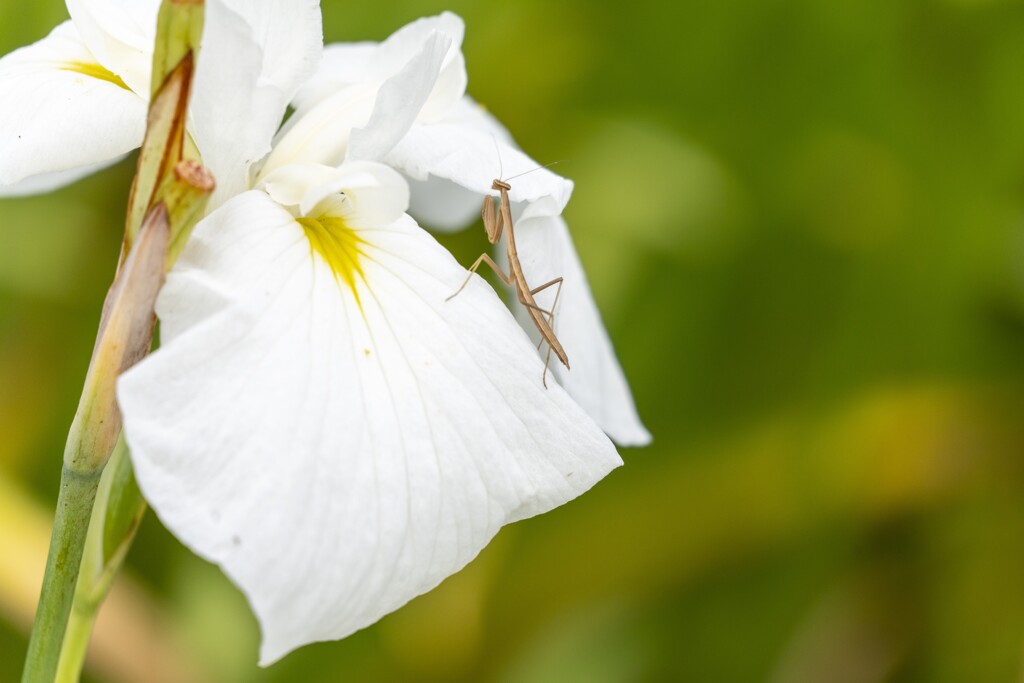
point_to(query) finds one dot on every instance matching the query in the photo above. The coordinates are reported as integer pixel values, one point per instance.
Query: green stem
(116, 516)
(76, 642)
(71, 524)
(126, 331)
(166, 190)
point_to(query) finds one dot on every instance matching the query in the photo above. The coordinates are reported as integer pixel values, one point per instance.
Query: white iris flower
(319, 421)
(323, 425)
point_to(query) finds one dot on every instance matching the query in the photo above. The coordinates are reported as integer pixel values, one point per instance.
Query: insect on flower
(494, 225)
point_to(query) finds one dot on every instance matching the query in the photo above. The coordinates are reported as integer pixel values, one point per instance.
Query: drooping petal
(340, 449)
(48, 182)
(120, 33)
(468, 113)
(255, 56)
(62, 111)
(439, 203)
(596, 380)
(470, 149)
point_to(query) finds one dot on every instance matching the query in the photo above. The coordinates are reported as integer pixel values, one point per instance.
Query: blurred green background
(804, 224)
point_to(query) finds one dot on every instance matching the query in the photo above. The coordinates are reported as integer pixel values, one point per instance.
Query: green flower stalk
(169, 196)
(116, 515)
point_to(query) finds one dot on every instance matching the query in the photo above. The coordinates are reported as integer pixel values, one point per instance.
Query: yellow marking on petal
(339, 247)
(95, 71)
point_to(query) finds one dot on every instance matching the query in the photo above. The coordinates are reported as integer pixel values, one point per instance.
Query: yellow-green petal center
(338, 245)
(95, 71)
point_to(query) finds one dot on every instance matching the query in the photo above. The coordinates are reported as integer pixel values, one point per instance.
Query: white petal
(468, 113)
(449, 88)
(399, 48)
(373, 194)
(363, 193)
(401, 45)
(469, 149)
(339, 459)
(321, 134)
(365, 97)
(54, 117)
(255, 55)
(290, 185)
(441, 205)
(347, 64)
(596, 379)
(48, 182)
(290, 36)
(400, 100)
(342, 65)
(120, 33)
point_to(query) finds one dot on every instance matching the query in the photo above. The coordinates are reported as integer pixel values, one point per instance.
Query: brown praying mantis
(494, 224)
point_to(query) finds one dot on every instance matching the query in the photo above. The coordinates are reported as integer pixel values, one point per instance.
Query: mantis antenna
(520, 175)
(501, 169)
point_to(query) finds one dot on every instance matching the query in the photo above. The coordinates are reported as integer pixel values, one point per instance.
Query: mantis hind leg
(558, 293)
(551, 314)
(551, 322)
(547, 363)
